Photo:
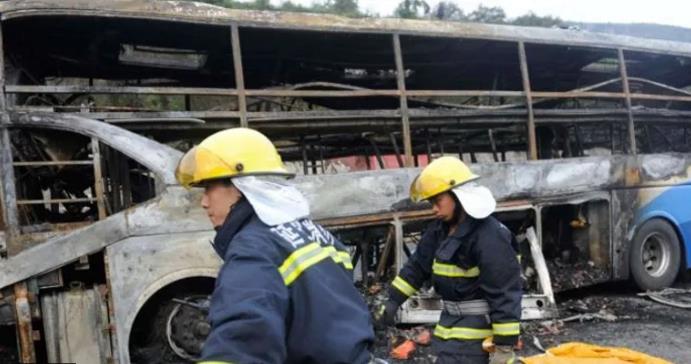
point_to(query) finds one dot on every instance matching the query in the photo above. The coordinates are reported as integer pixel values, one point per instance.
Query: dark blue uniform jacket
(284, 295)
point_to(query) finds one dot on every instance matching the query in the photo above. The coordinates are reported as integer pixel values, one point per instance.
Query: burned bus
(582, 137)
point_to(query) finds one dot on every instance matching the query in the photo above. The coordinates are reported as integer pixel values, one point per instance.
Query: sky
(670, 12)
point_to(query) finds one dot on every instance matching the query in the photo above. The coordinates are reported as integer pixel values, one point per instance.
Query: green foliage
(448, 11)
(349, 8)
(411, 9)
(445, 10)
(235, 4)
(533, 20)
(486, 14)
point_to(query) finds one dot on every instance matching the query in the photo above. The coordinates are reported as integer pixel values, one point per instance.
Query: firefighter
(284, 293)
(471, 260)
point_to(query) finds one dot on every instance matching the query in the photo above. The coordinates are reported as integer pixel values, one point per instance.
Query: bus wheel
(172, 326)
(655, 255)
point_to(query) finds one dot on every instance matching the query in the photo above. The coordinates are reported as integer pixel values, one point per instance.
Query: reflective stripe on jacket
(478, 261)
(284, 295)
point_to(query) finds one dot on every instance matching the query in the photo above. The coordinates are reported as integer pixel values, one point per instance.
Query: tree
(290, 6)
(348, 8)
(447, 10)
(235, 4)
(533, 20)
(263, 5)
(485, 14)
(340, 7)
(411, 9)
(344, 7)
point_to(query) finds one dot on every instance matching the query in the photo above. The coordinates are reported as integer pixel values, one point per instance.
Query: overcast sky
(671, 12)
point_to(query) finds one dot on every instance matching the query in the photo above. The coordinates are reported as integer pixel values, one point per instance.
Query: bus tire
(655, 258)
(150, 340)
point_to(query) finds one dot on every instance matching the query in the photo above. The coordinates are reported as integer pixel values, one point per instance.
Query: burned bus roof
(192, 12)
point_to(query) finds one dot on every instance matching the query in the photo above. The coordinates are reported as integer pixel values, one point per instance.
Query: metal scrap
(600, 315)
(675, 297)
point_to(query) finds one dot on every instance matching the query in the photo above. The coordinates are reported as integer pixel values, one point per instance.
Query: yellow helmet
(230, 153)
(441, 175)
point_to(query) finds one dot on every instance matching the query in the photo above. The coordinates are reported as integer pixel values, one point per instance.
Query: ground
(638, 323)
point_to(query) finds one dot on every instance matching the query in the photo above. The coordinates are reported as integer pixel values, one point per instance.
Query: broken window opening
(651, 73)
(576, 243)
(653, 137)
(161, 57)
(56, 180)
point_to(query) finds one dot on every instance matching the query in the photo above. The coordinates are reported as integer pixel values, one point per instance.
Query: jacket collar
(239, 216)
(450, 244)
(464, 228)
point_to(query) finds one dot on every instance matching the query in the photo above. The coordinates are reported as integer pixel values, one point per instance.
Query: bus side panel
(624, 205)
(674, 205)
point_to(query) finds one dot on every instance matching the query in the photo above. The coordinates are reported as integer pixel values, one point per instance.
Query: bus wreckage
(582, 137)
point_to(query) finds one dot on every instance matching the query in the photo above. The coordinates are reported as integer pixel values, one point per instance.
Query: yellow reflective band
(296, 255)
(346, 260)
(300, 260)
(403, 286)
(454, 271)
(461, 333)
(340, 257)
(507, 329)
(303, 258)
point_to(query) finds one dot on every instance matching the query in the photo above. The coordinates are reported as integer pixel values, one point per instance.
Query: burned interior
(334, 100)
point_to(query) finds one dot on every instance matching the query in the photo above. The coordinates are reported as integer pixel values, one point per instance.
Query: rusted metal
(364, 247)
(627, 99)
(377, 219)
(141, 90)
(377, 153)
(51, 163)
(493, 144)
(75, 320)
(98, 179)
(659, 84)
(540, 265)
(158, 158)
(24, 326)
(8, 193)
(239, 74)
(30, 89)
(8, 189)
(56, 200)
(106, 292)
(3, 101)
(525, 77)
(397, 151)
(386, 252)
(405, 117)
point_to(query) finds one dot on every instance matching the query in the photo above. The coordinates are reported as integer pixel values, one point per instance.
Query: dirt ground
(622, 318)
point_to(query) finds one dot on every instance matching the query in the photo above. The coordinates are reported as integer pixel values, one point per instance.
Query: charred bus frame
(326, 88)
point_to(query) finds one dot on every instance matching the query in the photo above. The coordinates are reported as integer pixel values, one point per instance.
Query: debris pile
(568, 275)
(405, 344)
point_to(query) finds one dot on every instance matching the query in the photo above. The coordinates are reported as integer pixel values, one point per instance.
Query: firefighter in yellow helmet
(471, 260)
(285, 292)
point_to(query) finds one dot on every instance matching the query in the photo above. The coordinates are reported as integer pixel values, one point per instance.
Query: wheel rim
(187, 328)
(655, 254)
